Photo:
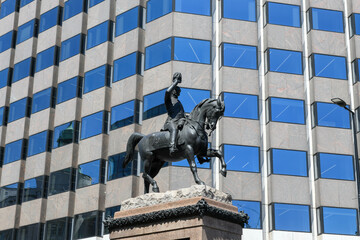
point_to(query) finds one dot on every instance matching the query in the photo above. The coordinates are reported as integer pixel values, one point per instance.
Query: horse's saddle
(161, 139)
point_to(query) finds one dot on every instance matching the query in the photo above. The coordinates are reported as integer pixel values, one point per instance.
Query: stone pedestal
(195, 213)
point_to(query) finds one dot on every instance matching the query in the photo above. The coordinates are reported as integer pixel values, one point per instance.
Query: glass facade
(74, 7)
(14, 151)
(288, 162)
(58, 229)
(23, 69)
(50, 19)
(38, 143)
(338, 221)
(329, 66)
(62, 181)
(10, 195)
(287, 110)
(42, 100)
(72, 46)
(115, 169)
(93, 125)
(331, 115)
(87, 225)
(97, 78)
(69, 89)
(129, 20)
(35, 188)
(240, 56)
(242, 158)
(284, 61)
(253, 209)
(90, 173)
(19, 109)
(124, 114)
(66, 134)
(326, 20)
(127, 66)
(26, 31)
(158, 8)
(240, 10)
(290, 217)
(47, 58)
(99, 34)
(241, 105)
(283, 14)
(335, 166)
(6, 40)
(7, 7)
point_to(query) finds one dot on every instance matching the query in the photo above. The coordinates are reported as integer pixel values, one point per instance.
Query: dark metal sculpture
(192, 140)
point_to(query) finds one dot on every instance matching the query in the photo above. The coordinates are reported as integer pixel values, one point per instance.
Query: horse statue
(154, 148)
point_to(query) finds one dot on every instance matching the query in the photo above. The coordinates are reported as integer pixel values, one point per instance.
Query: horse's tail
(134, 139)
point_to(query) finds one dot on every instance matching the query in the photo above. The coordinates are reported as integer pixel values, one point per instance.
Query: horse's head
(214, 113)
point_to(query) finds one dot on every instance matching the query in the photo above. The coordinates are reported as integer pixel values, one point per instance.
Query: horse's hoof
(223, 172)
(156, 189)
(201, 183)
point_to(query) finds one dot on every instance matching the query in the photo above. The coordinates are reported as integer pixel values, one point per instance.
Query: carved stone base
(194, 218)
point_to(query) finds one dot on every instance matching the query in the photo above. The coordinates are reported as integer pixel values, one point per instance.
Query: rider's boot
(173, 147)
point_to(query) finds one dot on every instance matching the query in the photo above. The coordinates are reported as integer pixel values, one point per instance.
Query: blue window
(7, 7)
(99, 34)
(25, 2)
(38, 143)
(283, 14)
(66, 134)
(355, 71)
(5, 77)
(201, 7)
(26, 31)
(14, 151)
(23, 69)
(72, 47)
(158, 53)
(18, 109)
(240, 10)
(338, 221)
(94, 2)
(62, 181)
(50, 19)
(242, 158)
(87, 225)
(47, 58)
(288, 162)
(191, 97)
(290, 217)
(2, 116)
(329, 66)
(9, 195)
(241, 105)
(158, 8)
(74, 7)
(192, 50)
(124, 114)
(355, 24)
(253, 209)
(35, 188)
(129, 20)
(94, 124)
(287, 110)
(285, 61)
(69, 89)
(115, 169)
(240, 56)
(326, 20)
(6, 40)
(58, 229)
(42, 100)
(91, 173)
(154, 104)
(97, 78)
(335, 166)
(127, 66)
(331, 115)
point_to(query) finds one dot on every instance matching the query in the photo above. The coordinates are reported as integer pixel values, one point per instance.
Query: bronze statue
(157, 148)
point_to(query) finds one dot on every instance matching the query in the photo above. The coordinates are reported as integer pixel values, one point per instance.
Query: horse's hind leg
(148, 162)
(155, 168)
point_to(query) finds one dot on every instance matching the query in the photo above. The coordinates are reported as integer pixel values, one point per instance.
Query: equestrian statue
(181, 137)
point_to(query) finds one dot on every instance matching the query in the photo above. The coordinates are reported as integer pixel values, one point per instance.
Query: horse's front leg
(191, 159)
(217, 153)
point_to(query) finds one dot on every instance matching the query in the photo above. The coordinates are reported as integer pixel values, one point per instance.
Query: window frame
(9, 76)
(315, 118)
(222, 13)
(104, 127)
(271, 162)
(312, 66)
(141, 20)
(316, 158)
(75, 137)
(269, 112)
(107, 78)
(44, 189)
(260, 212)
(236, 44)
(272, 217)
(48, 143)
(101, 171)
(71, 181)
(82, 47)
(79, 89)
(109, 37)
(267, 61)
(257, 99)
(310, 20)
(23, 154)
(139, 68)
(266, 12)
(259, 157)
(136, 116)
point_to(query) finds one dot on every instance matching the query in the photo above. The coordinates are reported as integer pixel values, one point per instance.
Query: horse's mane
(197, 107)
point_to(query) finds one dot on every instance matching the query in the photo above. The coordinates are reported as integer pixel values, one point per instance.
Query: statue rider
(176, 114)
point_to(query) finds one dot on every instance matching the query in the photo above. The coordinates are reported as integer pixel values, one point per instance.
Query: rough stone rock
(150, 199)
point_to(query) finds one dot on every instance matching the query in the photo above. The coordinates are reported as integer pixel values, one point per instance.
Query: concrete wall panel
(58, 205)
(11, 173)
(288, 136)
(282, 37)
(242, 132)
(242, 185)
(37, 165)
(192, 26)
(336, 193)
(285, 85)
(333, 140)
(31, 212)
(40, 121)
(239, 32)
(15, 130)
(25, 50)
(8, 217)
(63, 157)
(239, 80)
(90, 149)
